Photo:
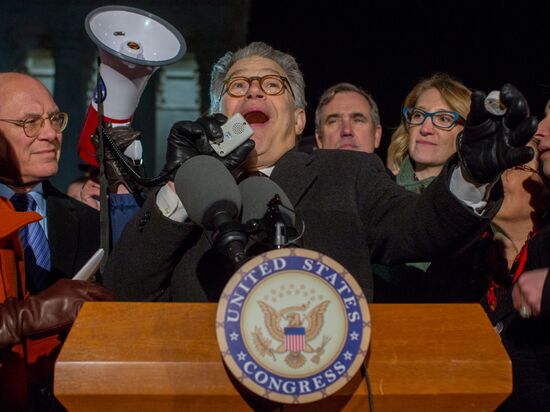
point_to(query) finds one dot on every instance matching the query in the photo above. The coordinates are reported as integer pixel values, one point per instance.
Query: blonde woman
(433, 114)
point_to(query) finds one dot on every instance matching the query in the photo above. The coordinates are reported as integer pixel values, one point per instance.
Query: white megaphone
(132, 44)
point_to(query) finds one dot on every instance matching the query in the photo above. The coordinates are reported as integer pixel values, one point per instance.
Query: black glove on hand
(490, 144)
(47, 313)
(188, 139)
(116, 174)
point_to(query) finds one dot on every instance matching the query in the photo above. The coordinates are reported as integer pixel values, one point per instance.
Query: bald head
(15, 83)
(12, 76)
(24, 160)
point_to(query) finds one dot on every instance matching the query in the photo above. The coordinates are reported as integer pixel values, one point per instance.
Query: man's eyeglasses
(272, 85)
(31, 127)
(442, 119)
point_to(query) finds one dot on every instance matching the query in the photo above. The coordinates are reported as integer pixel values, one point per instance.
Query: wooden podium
(164, 357)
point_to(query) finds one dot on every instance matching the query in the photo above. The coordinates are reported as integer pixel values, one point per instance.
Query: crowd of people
(462, 188)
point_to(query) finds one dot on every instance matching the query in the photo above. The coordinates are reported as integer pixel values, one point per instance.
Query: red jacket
(33, 360)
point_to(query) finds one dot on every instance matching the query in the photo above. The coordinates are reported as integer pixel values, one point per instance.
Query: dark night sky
(483, 44)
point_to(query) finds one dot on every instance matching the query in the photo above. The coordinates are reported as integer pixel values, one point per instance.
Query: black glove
(47, 313)
(188, 139)
(116, 174)
(490, 144)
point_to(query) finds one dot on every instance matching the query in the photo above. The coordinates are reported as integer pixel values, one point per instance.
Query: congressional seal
(293, 325)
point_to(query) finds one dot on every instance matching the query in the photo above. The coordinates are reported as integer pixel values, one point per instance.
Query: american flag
(295, 339)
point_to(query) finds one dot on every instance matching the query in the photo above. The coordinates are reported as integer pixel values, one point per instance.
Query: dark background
(387, 46)
(384, 46)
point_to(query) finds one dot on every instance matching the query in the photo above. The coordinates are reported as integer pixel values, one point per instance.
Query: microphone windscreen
(205, 187)
(257, 192)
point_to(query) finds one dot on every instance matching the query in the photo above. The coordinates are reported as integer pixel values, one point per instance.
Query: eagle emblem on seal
(292, 329)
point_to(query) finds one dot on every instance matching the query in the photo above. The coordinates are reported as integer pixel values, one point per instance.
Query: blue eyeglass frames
(442, 119)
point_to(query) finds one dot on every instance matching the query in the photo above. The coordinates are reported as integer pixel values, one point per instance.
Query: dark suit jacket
(73, 232)
(353, 212)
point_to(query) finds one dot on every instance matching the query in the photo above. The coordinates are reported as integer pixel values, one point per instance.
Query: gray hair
(260, 49)
(332, 91)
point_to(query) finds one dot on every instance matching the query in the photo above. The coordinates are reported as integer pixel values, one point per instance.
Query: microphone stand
(230, 236)
(278, 233)
(275, 224)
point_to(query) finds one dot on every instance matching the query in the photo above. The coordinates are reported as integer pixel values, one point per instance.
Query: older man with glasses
(31, 127)
(36, 302)
(351, 208)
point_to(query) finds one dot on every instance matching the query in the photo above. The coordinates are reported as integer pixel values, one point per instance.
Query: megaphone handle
(121, 158)
(104, 210)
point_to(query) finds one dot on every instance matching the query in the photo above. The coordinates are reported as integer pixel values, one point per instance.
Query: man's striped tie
(35, 245)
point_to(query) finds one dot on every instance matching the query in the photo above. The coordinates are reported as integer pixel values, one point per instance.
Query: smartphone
(235, 132)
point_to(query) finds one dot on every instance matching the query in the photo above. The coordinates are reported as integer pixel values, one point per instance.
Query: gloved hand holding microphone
(191, 138)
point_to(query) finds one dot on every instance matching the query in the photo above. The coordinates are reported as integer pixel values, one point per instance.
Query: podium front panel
(122, 356)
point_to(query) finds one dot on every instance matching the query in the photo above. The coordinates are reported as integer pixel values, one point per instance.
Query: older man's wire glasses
(272, 85)
(442, 119)
(32, 126)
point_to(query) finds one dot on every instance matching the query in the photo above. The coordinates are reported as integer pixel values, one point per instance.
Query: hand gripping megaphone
(132, 44)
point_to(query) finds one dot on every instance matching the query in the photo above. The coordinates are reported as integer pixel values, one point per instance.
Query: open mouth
(256, 117)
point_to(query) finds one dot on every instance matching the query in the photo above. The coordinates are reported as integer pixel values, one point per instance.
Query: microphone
(213, 200)
(267, 210)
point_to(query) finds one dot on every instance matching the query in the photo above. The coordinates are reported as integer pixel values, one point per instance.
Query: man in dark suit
(35, 308)
(31, 128)
(353, 212)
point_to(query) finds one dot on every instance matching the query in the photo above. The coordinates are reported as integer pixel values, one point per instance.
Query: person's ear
(377, 136)
(318, 139)
(299, 121)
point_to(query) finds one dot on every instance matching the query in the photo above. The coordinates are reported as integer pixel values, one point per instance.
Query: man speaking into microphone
(352, 211)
